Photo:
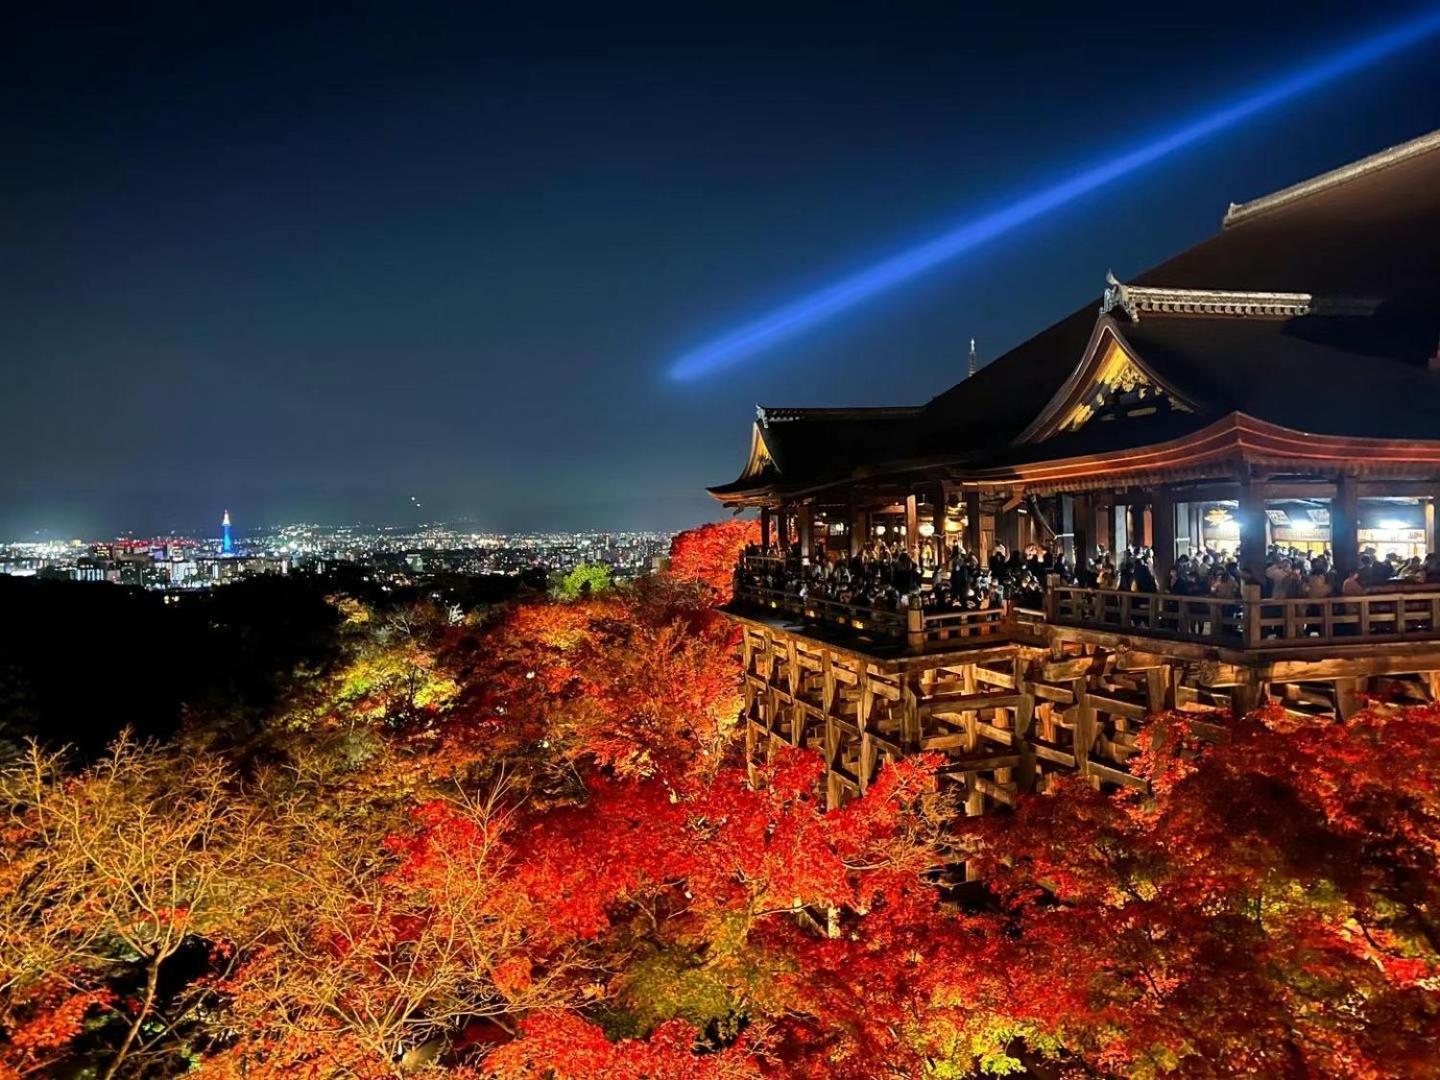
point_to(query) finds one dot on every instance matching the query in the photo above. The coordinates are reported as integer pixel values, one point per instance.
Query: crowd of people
(891, 578)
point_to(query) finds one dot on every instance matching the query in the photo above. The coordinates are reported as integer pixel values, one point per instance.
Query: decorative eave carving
(1133, 300)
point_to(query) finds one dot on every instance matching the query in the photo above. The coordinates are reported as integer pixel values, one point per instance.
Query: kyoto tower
(226, 545)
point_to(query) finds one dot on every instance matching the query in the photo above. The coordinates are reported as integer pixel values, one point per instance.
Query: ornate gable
(1111, 384)
(760, 462)
(1121, 388)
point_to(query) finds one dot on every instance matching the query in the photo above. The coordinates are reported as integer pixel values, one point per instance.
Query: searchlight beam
(829, 301)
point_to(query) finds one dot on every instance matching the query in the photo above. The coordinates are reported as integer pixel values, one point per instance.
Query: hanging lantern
(927, 530)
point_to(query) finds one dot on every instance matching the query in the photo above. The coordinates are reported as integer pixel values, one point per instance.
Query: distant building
(226, 544)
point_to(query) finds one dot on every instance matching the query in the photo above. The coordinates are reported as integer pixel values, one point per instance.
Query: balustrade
(1247, 623)
(1252, 622)
(913, 626)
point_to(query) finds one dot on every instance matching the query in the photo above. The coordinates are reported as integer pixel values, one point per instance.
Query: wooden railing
(1187, 618)
(939, 627)
(1344, 620)
(1247, 623)
(914, 627)
(1251, 622)
(762, 564)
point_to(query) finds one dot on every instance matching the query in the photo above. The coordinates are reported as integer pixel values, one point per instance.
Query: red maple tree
(708, 553)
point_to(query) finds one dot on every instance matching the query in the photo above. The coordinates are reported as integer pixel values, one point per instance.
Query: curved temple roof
(1315, 309)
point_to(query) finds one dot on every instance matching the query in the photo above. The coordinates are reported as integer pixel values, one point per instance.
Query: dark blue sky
(307, 265)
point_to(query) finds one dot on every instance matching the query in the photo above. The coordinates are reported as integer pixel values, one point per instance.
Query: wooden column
(1065, 505)
(765, 528)
(912, 526)
(1195, 524)
(782, 530)
(937, 521)
(1007, 526)
(1345, 526)
(1252, 529)
(859, 530)
(1105, 525)
(1083, 516)
(805, 523)
(1162, 526)
(1432, 504)
(972, 523)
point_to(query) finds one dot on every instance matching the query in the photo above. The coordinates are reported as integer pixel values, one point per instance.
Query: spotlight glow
(836, 297)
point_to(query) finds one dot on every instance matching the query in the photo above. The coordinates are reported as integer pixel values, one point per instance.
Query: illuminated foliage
(639, 682)
(526, 846)
(108, 875)
(584, 580)
(707, 554)
(389, 948)
(1270, 911)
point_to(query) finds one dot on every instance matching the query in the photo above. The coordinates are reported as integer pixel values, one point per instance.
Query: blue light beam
(829, 301)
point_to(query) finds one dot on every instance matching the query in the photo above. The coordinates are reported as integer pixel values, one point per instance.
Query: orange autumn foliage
(707, 554)
(562, 867)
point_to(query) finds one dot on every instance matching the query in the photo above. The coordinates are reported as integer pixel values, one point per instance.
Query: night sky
(306, 262)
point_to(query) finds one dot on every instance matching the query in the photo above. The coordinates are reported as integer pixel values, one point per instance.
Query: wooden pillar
(1121, 517)
(859, 530)
(805, 523)
(1083, 518)
(1007, 527)
(765, 528)
(1104, 525)
(912, 526)
(1252, 530)
(782, 532)
(1249, 693)
(1345, 526)
(1162, 525)
(972, 523)
(1194, 521)
(1066, 506)
(1347, 697)
(937, 522)
(1430, 508)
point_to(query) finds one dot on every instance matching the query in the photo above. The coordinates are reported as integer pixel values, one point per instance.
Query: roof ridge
(771, 414)
(1163, 300)
(1394, 155)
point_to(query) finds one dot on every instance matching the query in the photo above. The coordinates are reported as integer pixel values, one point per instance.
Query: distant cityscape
(395, 553)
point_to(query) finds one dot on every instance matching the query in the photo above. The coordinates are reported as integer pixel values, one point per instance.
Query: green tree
(587, 579)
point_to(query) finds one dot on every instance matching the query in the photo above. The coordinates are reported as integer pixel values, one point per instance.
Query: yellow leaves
(353, 613)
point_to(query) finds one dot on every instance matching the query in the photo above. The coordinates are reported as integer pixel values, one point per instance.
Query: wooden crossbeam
(980, 764)
(1114, 776)
(1054, 754)
(954, 703)
(1117, 706)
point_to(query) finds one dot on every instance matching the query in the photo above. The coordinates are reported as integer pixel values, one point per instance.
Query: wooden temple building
(1278, 383)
